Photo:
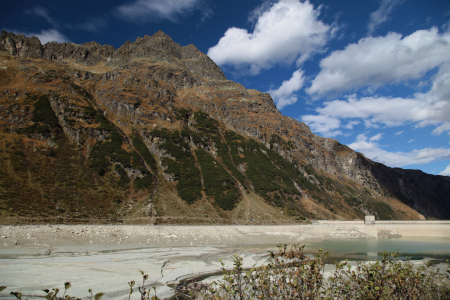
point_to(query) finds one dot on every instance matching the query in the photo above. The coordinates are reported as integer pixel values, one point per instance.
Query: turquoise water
(371, 249)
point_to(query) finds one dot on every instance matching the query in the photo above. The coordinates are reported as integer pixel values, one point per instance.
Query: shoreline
(70, 237)
(61, 238)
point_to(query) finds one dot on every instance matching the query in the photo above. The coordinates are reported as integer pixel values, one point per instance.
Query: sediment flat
(56, 238)
(106, 257)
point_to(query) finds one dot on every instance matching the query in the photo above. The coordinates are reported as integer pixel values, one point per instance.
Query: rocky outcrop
(200, 64)
(22, 46)
(428, 194)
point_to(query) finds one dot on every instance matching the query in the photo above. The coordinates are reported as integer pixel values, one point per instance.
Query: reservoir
(372, 249)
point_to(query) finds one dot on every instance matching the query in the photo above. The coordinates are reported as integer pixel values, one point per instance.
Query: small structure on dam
(369, 220)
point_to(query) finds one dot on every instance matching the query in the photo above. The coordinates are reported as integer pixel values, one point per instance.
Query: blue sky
(373, 74)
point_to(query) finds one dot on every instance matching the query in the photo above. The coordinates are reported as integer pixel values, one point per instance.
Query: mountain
(154, 132)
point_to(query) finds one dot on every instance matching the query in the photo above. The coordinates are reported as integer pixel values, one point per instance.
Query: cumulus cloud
(375, 61)
(155, 10)
(423, 109)
(381, 15)
(285, 94)
(284, 32)
(374, 151)
(446, 172)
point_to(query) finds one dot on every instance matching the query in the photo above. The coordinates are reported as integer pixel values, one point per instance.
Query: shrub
(225, 156)
(145, 182)
(205, 123)
(43, 116)
(218, 183)
(143, 150)
(124, 180)
(383, 210)
(270, 174)
(183, 167)
(104, 153)
(104, 123)
(183, 114)
(43, 112)
(292, 275)
(276, 139)
(90, 111)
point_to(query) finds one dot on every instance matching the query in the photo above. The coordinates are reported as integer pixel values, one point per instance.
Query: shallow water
(372, 249)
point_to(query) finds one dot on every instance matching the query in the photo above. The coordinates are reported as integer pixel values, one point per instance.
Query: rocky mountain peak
(190, 52)
(200, 64)
(159, 47)
(161, 34)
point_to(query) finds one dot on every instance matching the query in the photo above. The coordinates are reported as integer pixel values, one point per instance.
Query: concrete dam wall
(392, 229)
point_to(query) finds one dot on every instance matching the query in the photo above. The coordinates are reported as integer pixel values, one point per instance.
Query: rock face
(174, 139)
(22, 46)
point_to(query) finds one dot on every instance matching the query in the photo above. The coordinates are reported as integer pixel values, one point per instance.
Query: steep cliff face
(166, 137)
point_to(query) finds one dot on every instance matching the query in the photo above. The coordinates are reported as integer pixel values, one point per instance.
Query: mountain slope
(154, 132)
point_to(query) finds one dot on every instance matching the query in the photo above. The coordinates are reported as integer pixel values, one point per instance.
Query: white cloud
(324, 125)
(376, 137)
(45, 36)
(423, 109)
(399, 132)
(375, 61)
(285, 31)
(381, 15)
(51, 35)
(389, 111)
(411, 140)
(446, 172)
(351, 124)
(284, 95)
(371, 149)
(441, 129)
(155, 10)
